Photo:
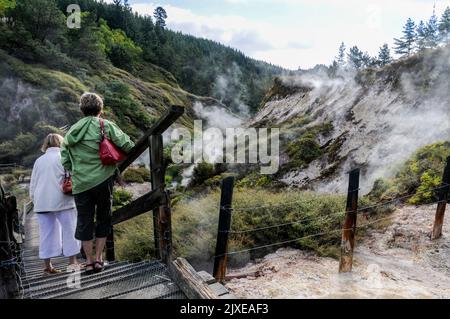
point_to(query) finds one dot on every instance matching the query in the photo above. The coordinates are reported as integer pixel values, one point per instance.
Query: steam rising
(384, 117)
(229, 89)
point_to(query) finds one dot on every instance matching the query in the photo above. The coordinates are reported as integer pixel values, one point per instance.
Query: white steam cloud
(383, 118)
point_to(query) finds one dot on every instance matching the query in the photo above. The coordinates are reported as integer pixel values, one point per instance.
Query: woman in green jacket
(92, 182)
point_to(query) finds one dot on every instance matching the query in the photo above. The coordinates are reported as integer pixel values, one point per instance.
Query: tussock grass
(195, 223)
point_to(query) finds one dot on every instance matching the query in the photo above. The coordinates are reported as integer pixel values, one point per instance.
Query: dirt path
(398, 261)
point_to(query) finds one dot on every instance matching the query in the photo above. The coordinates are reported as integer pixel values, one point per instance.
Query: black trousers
(94, 211)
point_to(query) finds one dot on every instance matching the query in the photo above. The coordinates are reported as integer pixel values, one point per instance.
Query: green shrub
(9, 179)
(121, 197)
(14, 149)
(303, 151)
(202, 172)
(306, 148)
(21, 172)
(137, 175)
(255, 180)
(194, 225)
(134, 239)
(418, 177)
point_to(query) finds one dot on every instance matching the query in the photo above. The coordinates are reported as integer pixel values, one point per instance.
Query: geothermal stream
(396, 261)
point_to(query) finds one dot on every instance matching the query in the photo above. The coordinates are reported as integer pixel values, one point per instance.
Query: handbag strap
(102, 129)
(67, 174)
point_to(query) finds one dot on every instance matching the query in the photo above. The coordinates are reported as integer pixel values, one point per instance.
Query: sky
(293, 33)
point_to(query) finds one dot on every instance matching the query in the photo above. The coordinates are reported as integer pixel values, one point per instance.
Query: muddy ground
(397, 260)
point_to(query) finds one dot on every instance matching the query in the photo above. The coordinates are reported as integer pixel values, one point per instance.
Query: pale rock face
(383, 118)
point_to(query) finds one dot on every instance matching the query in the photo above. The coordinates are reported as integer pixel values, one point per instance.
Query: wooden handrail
(156, 198)
(171, 115)
(138, 207)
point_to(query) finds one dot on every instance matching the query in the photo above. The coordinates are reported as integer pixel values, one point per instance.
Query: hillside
(374, 119)
(201, 66)
(36, 100)
(45, 67)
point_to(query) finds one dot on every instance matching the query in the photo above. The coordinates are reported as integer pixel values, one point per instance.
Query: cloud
(251, 37)
(306, 33)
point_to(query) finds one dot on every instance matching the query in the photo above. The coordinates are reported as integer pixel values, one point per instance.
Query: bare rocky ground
(138, 190)
(397, 260)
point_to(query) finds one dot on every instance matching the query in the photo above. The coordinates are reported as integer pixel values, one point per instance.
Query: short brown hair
(91, 104)
(52, 140)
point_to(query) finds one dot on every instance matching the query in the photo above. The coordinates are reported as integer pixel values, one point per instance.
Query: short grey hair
(91, 104)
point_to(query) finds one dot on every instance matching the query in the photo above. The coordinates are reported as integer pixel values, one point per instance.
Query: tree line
(416, 37)
(35, 31)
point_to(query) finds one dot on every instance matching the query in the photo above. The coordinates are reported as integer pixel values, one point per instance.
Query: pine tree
(368, 61)
(444, 26)
(6, 4)
(160, 17)
(384, 56)
(432, 31)
(355, 58)
(341, 55)
(405, 45)
(421, 42)
(42, 18)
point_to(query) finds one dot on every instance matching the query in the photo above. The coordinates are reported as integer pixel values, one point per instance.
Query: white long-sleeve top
(45, 186)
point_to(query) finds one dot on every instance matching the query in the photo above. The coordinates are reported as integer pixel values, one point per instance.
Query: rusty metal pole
(442, 204)
(220, 259)
(349, 229)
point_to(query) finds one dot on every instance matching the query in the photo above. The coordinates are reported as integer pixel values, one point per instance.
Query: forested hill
(45, 67)
(200, 66)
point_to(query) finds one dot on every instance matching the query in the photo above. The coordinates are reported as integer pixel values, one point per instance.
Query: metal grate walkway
(119, 280)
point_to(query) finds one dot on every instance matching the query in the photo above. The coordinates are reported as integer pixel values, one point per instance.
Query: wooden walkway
(119, 280)
(163, 279)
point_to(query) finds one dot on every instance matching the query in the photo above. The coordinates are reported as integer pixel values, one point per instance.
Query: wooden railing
(4, 168)
(9, 246)
(158, 199)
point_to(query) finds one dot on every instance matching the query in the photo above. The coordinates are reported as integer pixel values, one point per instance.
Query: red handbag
(110, 154)
(67, 183)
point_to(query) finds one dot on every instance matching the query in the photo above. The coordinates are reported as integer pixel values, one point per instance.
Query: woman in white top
(56, 211)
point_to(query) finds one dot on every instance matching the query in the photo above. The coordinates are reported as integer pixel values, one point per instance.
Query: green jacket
(80, 152)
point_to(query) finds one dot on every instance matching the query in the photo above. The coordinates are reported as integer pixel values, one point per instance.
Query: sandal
(51, 271)
(99, 269)
(89, 268)
(75, 267)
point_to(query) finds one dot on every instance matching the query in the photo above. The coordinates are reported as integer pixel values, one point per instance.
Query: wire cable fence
(320, 218)
(334, 231)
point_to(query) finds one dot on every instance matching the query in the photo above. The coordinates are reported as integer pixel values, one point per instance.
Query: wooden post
(162, 216)
(110, 251)
(226, 199)
(189, 281)
(442, 204)
(165, 231)
(156, 163)
(349, 229)
(8, 282)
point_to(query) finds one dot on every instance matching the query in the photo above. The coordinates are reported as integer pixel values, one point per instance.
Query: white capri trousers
(57, 234)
